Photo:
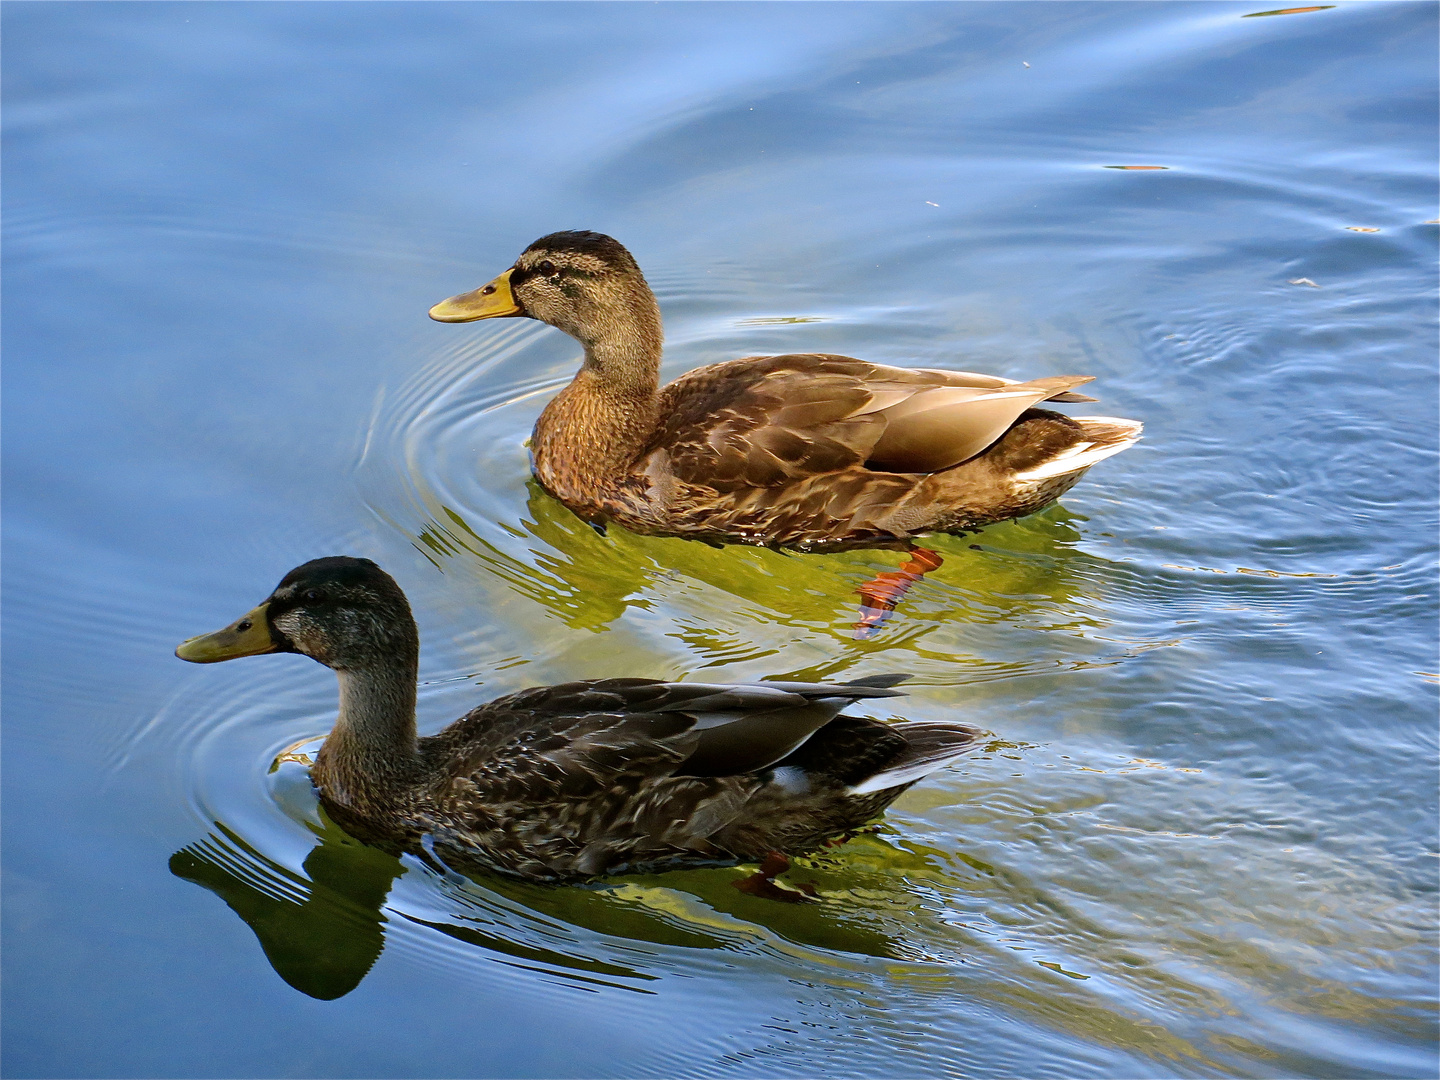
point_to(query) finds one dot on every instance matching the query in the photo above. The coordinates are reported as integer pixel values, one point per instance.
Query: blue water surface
(1203, 839)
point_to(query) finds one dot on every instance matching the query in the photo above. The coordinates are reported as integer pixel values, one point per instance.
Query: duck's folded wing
(767, 421)
(941, 426)
(758, 734)
(534, 759)
(579, 738)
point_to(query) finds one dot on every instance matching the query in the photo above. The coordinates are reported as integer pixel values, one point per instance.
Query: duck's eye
(546, 268)
(313, 596)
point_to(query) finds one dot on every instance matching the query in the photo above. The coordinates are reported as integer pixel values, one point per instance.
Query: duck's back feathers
(768, 420)
(816, 450)
(588, 730)
(939, 426)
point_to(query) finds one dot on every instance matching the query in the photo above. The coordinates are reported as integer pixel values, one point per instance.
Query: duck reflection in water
(1031, 574)
(323, 929)
(570, 782)
(807, 451)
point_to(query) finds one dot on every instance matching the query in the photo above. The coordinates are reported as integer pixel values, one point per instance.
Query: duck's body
(583, 779)
(591, 778)
(779, 451)
(808, 451)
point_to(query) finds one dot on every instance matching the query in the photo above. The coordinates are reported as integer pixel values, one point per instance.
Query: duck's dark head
(584, 283)
(345, 612)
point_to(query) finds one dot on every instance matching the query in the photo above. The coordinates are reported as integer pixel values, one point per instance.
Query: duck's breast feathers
(770, 421)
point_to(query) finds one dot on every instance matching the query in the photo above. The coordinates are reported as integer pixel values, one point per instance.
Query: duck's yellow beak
(246, 636)
(487, 302)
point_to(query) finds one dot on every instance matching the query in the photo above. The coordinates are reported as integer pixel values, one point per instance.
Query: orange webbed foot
(880, 594)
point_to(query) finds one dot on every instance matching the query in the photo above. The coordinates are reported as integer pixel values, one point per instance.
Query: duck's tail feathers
(930, 746)
(1103, 436)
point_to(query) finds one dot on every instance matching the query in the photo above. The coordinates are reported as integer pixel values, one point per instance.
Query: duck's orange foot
(762, 882)
(880, 594)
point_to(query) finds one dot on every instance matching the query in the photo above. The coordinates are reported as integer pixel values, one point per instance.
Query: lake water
(1203, 839)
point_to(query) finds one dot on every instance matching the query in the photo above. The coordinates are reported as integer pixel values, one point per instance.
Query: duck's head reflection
(322, 931)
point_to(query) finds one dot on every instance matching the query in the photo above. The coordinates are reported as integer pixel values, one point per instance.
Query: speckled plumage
(805, 451)
(587, 778)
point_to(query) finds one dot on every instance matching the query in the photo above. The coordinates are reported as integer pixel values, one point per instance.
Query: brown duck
(587, 778)
(808, 451)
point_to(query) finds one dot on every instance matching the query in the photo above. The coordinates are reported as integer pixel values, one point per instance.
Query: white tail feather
(1133, 426)
(933, 747)
(906, 774)
(1110, 435)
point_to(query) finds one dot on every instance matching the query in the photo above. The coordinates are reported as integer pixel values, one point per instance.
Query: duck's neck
(591, 434)
(372, 754)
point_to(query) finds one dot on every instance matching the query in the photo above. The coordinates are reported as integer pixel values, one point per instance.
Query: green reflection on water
(993, 609)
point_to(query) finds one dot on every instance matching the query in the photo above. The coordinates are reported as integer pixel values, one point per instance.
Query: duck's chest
(583, 452)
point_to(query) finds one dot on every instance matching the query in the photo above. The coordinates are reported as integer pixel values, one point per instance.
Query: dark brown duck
(808, 451)
(586, 778)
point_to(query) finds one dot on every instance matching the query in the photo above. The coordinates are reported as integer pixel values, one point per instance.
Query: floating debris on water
(297, 753)
(1246, 570)
(1361, 228)
(1062, 971)
(779, 319)
(1288, 11)
(1136, 168)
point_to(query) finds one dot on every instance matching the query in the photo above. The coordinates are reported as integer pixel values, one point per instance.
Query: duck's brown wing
(771, 421)
(575, 739)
